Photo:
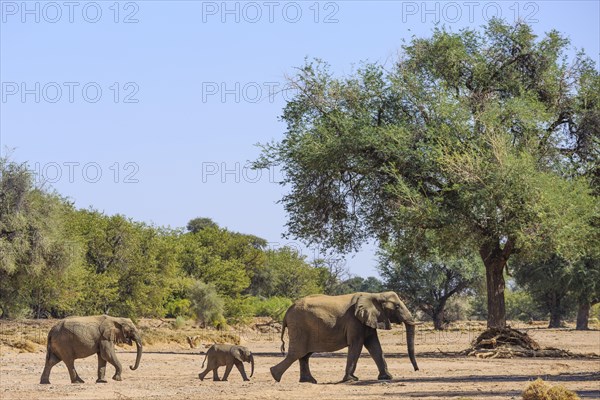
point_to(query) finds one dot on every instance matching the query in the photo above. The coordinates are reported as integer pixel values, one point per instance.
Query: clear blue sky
(185, 92)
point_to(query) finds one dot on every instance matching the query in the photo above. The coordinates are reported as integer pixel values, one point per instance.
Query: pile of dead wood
(509, 343)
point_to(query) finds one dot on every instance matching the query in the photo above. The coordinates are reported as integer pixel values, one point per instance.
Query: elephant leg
(202, 374)
(101, 369)
(278, 370)
(72, 372)
(305, 375)
(107, 351)
(240, 366)
(227, 371)
(353, 354)
(51, 361)
(372, 344)
(216, 374)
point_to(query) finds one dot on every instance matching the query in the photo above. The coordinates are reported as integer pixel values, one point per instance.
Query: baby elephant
(229, 355)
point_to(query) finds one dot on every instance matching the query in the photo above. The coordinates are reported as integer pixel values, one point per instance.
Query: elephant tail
(203, 361)
(283, 326)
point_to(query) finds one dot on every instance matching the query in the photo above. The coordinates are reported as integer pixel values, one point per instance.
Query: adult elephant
(322, 323)
(80, 337)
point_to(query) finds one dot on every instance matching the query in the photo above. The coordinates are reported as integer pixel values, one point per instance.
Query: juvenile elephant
(226, 354)
(322, 323)
(80, 337)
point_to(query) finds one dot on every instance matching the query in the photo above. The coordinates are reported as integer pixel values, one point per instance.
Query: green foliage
(179, 322)
(548, 282)
(472, 135)
(428, 282)
(36, 262)
(197, 224)
(229, 260)
(290, 275)
(178, 308)
(273, 307)
(238, 310)
(458, 308)
(285, 273)
(206, 304)
(595, 311)
(358, 284)
(59, 261)
(521, 306)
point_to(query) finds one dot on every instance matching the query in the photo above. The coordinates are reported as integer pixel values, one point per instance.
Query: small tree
(428, 283)
(585, 286)
(206, 303)
(548, 282)
(333, 272)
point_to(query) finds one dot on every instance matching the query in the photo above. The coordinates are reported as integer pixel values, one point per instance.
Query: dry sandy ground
(170, 372)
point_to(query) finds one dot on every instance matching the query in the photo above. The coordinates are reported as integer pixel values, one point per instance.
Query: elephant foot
(101, 381)
(117, 378)
(200, 377)
(385, 376)
(45, 382)
(273, 374)
(350, 378)
(246, 380)
(308, 379)
(78, 380)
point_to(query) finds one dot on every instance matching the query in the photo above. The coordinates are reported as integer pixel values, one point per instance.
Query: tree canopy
(469, 136)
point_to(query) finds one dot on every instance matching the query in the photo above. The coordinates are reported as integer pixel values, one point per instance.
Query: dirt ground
(170, 370)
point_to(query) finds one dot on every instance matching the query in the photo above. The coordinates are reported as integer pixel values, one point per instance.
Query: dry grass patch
(540, 390)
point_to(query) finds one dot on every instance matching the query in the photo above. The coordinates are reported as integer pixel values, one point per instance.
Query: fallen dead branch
(510, 343)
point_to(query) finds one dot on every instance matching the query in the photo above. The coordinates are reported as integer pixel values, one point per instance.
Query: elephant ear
(369, 312)
(236, 352)
(110, 330)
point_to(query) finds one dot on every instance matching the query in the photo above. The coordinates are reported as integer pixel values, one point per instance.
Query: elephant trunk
(410, 342)
(138, 343)
(251, 365)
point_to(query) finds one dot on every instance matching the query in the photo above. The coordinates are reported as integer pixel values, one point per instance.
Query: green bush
(239, 310)
(273, 307)
(179, 322)
(458, 308)
(206, 303)
(521, 306)
(178, 307)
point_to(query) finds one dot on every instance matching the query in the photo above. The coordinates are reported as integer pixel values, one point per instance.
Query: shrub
(178, 307)
(521, 306)
(458, 308)
(206, 303)
(540, 390)
(179, 322)
(595, 311)
(238, 310)
(273, 307)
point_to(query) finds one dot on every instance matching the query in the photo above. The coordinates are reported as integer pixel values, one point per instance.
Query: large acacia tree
(468, 136)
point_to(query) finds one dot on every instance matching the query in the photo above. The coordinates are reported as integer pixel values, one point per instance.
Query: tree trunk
(555, 312)
(494, 258)
(438, 315)
(583, 315)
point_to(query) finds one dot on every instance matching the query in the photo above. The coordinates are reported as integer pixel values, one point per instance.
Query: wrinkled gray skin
(228, 355)
(329, 323)
(80, 337)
